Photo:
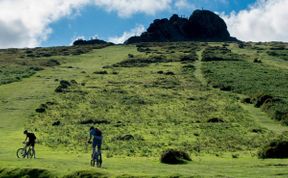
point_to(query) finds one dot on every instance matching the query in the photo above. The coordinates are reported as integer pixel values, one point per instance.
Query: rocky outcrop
(89, 42)
(203, 25)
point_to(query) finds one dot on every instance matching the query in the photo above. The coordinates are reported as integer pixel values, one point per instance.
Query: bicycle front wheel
(21, 153)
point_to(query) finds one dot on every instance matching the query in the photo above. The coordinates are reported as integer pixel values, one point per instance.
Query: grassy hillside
(219, 102)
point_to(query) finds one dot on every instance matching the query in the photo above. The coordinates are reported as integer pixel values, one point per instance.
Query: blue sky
(94, 21)
(31, 23)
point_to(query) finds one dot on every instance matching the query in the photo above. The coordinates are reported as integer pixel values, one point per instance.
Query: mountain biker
(97, 141)
(31, 141)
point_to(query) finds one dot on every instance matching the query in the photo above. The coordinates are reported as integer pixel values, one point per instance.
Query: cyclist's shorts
(30, 143)
(97, 141)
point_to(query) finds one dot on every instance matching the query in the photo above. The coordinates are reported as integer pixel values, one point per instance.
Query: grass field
(146, 99)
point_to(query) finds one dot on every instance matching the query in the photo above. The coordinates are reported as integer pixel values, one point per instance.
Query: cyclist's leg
(99, 156)
(33, 151)
(25, 148)
(93, 150)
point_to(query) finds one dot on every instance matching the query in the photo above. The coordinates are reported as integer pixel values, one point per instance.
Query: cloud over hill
(266, 20)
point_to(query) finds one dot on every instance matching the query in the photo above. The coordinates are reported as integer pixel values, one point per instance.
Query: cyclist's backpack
(98, 132)
(32, 136)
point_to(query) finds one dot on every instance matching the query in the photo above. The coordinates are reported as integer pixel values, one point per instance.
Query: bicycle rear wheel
(99, 160)
(21, 153)
(92, 163)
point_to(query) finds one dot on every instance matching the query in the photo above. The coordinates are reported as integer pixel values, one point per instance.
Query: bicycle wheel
(29, 153)
(92, 162)
(99, 160)
(21, 153)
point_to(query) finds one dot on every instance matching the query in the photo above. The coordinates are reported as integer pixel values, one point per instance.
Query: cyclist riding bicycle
(96, 134)
(31, 141)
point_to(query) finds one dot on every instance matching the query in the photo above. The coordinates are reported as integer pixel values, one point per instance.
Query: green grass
(252, 79)
(162, 104)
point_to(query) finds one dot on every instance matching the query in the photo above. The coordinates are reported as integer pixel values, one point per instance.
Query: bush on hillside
(64, 85)
(275, 149)
(220, 54)
(261, 99)
(174, 157)
(102, 72)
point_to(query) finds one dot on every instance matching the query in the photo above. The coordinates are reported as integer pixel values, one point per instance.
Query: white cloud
(184, 4)
(134, 32)
(266, 20)
(126, 8)
(25, 23)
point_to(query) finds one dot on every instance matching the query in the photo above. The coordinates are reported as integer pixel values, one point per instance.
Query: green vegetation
(217, 53)
(265, 85)
(9, 74)
(146, 99)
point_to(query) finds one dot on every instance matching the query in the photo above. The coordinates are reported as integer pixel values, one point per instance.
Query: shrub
(246, 100)
(101, 72)
(174, 157)
(56, 123)
(126, 137)
(261, 99)
(275, 149)
(94, 121)
(64, 85)
(189, 58)
(51, 63)
(42, 108)
(257, 60)
(223, 87)
(169, 73)
(142, 61)
(215, 120)
(219, 54)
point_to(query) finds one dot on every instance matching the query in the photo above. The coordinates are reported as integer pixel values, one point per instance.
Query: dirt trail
(198, 69)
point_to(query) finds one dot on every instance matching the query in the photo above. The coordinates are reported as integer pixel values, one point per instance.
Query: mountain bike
(25, 153)
(96, 159)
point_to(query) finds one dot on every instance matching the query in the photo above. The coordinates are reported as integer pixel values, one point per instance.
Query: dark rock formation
(89, 42)
(203, 25)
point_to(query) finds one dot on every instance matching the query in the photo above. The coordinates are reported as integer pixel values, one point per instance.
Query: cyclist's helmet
(25, 132)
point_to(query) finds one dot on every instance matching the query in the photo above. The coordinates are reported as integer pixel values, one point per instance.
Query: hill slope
(146, 99)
